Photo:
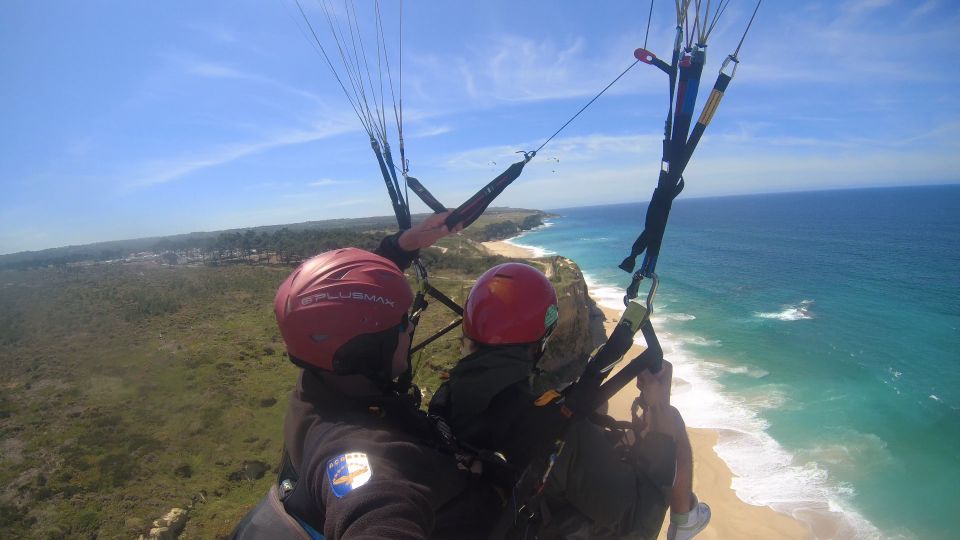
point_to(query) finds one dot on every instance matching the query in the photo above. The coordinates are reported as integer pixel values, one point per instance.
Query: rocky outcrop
(169, 526)
(580, 327)
(506, 225)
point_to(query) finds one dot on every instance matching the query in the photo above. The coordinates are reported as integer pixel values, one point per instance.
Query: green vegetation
(129, 389)
(123, 378)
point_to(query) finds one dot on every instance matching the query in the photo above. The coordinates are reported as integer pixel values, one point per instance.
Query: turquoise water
(818, 332)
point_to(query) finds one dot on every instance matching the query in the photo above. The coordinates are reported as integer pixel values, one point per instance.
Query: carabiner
(655, 282)
(527, 154)
(736, 62)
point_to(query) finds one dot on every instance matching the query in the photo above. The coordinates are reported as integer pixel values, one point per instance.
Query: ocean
(817, 332)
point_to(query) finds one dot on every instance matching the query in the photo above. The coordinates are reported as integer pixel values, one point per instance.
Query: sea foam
(798, 312)
(765, 473)
(537, 250)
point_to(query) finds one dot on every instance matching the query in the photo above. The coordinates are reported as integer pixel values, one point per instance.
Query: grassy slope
(128, 390)
(134, 389)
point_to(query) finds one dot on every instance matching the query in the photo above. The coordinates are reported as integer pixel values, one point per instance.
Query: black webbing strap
(392, 169)
(670, 183)
(580, 401)
(437, 335)
(656, 222)
(473, 208)
(443, 299)
(425, 196)
(651, 358)
(399, 207)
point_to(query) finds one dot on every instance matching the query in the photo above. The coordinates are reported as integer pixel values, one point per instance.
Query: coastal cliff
(580, 327)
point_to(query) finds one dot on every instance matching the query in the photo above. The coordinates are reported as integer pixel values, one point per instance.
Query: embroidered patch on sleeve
(347, 472)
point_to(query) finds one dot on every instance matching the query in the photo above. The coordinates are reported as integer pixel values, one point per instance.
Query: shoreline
(712, 480)
(505, 248)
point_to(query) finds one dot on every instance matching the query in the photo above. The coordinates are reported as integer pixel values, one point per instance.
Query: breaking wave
(765, 473)
(798, 312)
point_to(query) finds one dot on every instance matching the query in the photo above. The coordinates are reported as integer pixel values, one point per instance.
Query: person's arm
(661, 421)
(386, 509)
(403, 247)
(373, 496)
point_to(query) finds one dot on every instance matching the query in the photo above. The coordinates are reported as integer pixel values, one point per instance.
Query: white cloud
(601, 168)
(924, 8)
(160, 172)
(431, 131)
(518, 69)
(324, 182)
(215, 70)
(858, 7)
(215, 31)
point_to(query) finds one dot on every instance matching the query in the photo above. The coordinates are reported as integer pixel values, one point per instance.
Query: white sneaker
(685, 526)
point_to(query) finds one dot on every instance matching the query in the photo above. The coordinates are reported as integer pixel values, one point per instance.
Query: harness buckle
(286, 486)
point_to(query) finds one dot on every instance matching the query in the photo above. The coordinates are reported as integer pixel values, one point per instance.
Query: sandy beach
(507, 249)
(731, 517)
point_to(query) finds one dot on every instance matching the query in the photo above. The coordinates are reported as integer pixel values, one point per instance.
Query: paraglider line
(574, 117)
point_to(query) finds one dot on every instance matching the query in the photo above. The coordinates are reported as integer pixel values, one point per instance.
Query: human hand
(655, 387)
(427, 232)
(666, 420)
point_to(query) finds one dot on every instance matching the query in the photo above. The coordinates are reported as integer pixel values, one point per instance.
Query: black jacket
(413, 490)
(488, 403)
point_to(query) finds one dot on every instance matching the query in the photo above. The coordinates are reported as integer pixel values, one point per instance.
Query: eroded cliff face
(580, 327)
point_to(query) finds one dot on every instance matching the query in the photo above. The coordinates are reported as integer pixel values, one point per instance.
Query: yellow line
(710, 108)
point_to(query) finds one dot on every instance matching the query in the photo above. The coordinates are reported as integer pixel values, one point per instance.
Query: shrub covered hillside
(127, 390)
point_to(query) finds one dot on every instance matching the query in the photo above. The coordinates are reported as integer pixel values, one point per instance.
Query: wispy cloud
(517, 69)
(81, 146)
(924, 8)
(859, 7)
(159, 172)
(572, 150)
(431, 131)
(323, 182)
(854, 46)
(604, 168)
(217, 70)
(215, 31)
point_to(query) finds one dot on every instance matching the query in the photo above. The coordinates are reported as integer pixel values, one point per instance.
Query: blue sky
(132, 119)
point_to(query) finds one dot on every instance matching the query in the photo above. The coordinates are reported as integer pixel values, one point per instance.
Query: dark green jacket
(489, 404)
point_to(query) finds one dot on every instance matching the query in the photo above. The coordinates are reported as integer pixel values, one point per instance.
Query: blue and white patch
(347, 472)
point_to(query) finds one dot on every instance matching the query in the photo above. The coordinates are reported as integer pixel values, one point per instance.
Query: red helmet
(510, 304)
(335, 297)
